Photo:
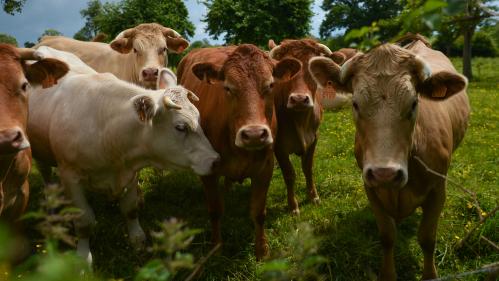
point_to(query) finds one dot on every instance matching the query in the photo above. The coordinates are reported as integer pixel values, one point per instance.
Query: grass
(343, 221)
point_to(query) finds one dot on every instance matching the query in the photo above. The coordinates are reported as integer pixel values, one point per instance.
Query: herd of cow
(101, 112)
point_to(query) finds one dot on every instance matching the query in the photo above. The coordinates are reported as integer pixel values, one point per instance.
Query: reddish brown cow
(234, 85)
(410, 110)
(15, 152)
(299, 113)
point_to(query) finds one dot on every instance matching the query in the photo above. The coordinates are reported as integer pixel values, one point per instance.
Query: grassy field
(343, 221)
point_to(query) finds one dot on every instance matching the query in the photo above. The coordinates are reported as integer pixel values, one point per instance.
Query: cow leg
(259, 188)
(129, 207)
(307, 163)
(432, 207)
(387, 232)
(214, 201)
(86, 222)
(288, 173)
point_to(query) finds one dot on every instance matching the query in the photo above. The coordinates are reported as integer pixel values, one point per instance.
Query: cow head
(298, 94)
(177, 138)
(148, 44)
(15, 80)
(247, 77)
(387, 84)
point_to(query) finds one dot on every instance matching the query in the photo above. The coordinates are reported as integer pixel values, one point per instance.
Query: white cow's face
(178, 140)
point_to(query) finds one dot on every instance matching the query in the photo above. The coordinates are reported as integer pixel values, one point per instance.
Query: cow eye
(25, 86)
(134, 50)
(181, 128)
(162, 50)
(355, 106)
(227, 89)
(414, 106)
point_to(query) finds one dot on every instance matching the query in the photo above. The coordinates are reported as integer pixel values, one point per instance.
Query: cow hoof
(262, 251)
(138, 239)
(295, 212)
(316, 200)
(83, 250)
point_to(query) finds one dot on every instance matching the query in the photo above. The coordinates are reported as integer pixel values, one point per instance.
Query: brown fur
(297, 129)
(247, 70)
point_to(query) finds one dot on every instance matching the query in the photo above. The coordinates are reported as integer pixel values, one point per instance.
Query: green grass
(343, 220)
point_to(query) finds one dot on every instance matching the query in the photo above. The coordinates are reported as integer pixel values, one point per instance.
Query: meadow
(342, 223)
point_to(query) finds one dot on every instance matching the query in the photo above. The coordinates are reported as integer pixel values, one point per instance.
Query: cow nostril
(370, 174)
(400, 176)
(264, 135)
(18, 137)
(244, 135)
(306, 99)
(156, 72)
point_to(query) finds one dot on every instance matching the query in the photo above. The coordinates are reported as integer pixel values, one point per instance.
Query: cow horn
(168, 32)
(192, 96)
(170, 104)
(274, 52)
(127, 33)
(29, 54)
(324, 49)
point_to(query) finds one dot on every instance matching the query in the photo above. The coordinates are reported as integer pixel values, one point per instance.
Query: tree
(118, 16)
(12, 6)
(29, 44)
(257, 21)
(355, 14)
(90, 30)
(49, 32)
(6, 38)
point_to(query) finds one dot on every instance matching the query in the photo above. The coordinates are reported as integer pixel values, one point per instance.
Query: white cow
(100, 131)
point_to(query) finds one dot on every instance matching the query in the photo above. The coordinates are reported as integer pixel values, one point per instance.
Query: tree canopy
(6, 38)
(12, 6)
(49, 32)
(257, 21)
(90, 29)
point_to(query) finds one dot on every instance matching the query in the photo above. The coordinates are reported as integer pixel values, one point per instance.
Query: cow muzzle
(254, 137)
(150, 74)
(300, 102)
(390, 176)
(12, 141)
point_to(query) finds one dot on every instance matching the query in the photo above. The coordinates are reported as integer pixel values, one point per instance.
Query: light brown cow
(234, 85)
(299, 113)
(15, 152)
(135, 55)
(409, 104)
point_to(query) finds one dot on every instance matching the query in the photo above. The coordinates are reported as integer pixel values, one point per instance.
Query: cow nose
(299, 101)
(253, 137)
(12, 140)
(384, 175)
(150, 74)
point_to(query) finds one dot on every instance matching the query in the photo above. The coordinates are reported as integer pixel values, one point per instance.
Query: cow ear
(122, 45)
(144, 107)
(46, 72)
(286, 69)
(207, 72)
(166, 79)
(176, 44)
(338, 57)
(442, 85)
(327, 73)
(272, 44)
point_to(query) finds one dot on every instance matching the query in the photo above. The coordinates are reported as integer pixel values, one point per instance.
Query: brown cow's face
(297, 94)
(248, 76)
(385, 83)
(148, 44)
(15, 81)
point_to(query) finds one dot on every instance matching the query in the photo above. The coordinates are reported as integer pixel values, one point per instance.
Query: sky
(64, 16)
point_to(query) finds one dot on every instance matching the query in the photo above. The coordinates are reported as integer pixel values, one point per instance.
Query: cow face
(248, 76)
(297, 94)
(148, 44)
(387, 84)
(15, 81)
(178, 140)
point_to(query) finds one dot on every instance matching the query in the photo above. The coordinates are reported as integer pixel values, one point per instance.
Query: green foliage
(118, 16)
(90, 29)
(350, 15)
(6, 38)
(12, 6)
(49, 32)
(257, 21)
(29, 44)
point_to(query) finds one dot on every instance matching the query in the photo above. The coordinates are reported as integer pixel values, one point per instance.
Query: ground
(343, 221)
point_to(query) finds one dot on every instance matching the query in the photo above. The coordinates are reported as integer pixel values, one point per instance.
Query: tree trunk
(468, 35)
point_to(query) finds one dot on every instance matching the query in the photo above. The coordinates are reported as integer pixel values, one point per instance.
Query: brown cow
(15, 152)
(410, 107)
(299, 113)
(236, 105)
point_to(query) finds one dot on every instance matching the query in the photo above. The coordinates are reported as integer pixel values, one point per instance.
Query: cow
(237, 111)
(299, 113)
(135, 55)
(100, 131)
(15, 153)
(411, 111)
